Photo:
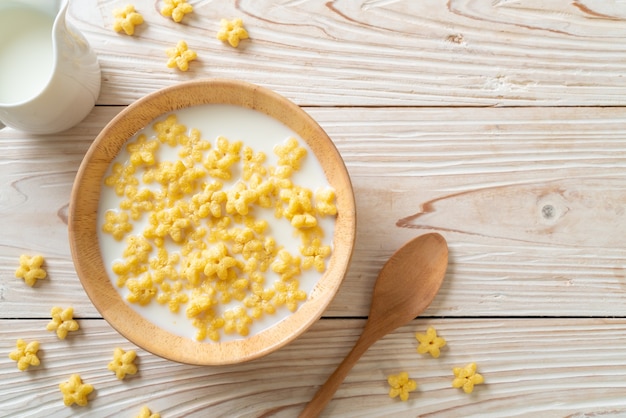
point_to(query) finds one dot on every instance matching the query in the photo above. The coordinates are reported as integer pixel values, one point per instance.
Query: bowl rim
(83, 209)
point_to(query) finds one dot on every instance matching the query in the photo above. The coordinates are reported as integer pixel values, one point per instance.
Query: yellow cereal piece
(147, 413)
(466, 377)
(232, 31)
(138, 202)
(176, 9)
(31, 269)
(121, 178)
(430, 342)
(75, 391)
(137, 249)
(288, 294)
(62, 321)
(290, 153)
(142, 151)
(401, 386)
(126, 19)
(25, 354)
(261, 302)
(117, 224)
(173, 294)
(193, 149)
(123, 363)
(325, 202)
(202, 301)
(286, 265)
(170, 131)
(163, 265)
(219, 262)
(220, 159)
(240, 198)
(315, 255)
(253, 163)
(210, 201)
(180, 56)
(237, 320)
(141, 290)
(298, 201)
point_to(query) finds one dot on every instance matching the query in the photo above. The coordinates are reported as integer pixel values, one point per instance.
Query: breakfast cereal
(232, 31)
(180, 56)
(176, 9)
(401, 386)
(147, 413)
(62, 321)
(204, 218)
(31, 269)
(25, 354)
(75, 391)
(466, 377)
(123, 363)
(430, 342)
(126, 19)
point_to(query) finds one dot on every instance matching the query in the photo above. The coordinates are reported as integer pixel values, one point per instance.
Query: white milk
(261, 133)
(26, 56)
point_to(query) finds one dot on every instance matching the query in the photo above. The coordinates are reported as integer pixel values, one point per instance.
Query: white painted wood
(379, 53)
(421, 100)
(532, 367)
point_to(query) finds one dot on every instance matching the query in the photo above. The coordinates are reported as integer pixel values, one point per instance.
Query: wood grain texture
(530, 200)
(531, 368)
(379, 52)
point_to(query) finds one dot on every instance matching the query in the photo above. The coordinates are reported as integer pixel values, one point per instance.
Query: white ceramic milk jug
(49, 75)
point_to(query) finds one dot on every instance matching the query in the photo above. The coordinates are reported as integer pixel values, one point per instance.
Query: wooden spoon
(405, 286)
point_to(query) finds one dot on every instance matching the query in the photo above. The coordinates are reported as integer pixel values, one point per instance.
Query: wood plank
(379, 53)
(530, 200)
(534, 367)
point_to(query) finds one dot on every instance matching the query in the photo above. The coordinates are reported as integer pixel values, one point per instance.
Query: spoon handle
(327, 390)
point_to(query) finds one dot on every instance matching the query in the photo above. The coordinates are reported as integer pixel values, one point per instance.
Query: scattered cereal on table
(430, 342)
(30, 269)
(401, 386)
(147, 413)
(466, 377)
(123, 363)
(232, 31)
(180, 56)
(25, 354)
(62, 321)
(126, 19)
(176, 9)
(75, 391)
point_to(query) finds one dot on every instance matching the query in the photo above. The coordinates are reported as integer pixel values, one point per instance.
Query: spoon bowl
(405, 287)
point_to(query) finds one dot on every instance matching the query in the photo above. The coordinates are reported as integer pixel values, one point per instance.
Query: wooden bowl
(84, 205)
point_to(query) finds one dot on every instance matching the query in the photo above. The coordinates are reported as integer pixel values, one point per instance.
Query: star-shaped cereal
(75, 391)
(401, 385)
(180, 56)
(232, 31)
(25, 354)
(126, 19)
(62, 321)
(176, 9)
(30, 269)
(123, 363)
(466, 377)
(430, 342)
(147, 413)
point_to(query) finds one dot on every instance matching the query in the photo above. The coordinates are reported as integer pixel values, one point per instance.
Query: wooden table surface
(499, 124)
